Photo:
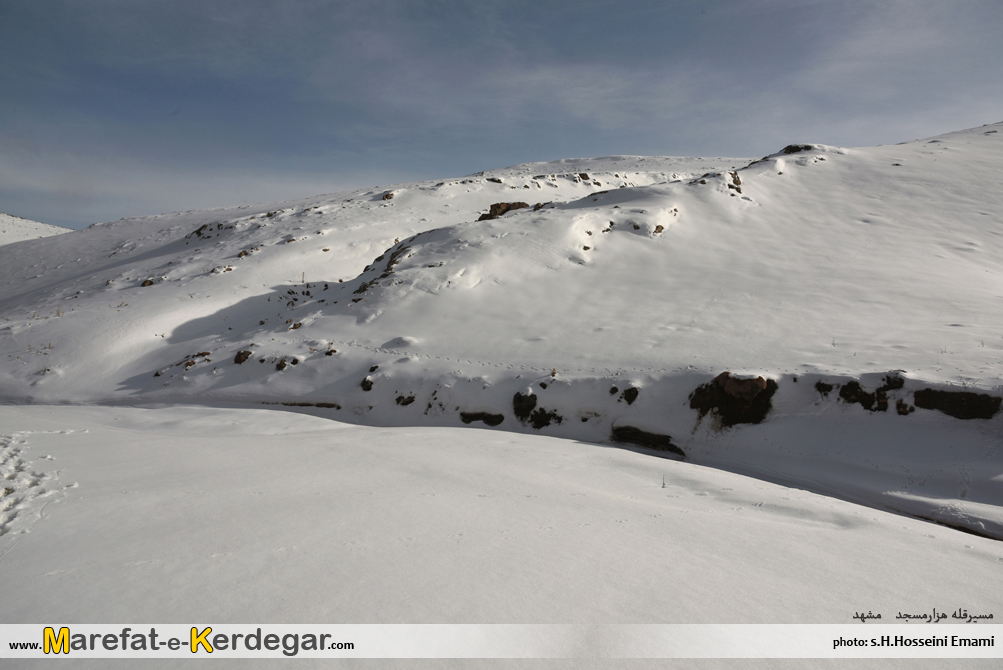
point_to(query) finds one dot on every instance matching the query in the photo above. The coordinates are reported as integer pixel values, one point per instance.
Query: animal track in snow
(24, 492)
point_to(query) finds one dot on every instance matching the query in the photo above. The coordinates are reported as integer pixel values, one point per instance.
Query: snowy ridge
(856, 282)
(16, 228)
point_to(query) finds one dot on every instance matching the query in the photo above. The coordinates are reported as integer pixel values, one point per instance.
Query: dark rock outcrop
(500, 208)
(735, 400)
(523, 405)
(525, 409)
(875, 402)
(242, 356)
(959, 404)
(541, 418)
(489, 419)
(631, 435)
(852, 393)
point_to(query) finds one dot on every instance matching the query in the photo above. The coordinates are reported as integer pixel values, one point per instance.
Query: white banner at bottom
(500, 641)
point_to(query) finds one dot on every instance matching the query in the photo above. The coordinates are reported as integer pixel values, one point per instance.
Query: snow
(191, 513)
(624, 285)
(15, 229)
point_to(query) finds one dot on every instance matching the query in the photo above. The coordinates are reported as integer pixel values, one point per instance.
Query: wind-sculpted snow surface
(815, 267)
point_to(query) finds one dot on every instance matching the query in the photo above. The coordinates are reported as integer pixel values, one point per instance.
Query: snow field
(186, 513)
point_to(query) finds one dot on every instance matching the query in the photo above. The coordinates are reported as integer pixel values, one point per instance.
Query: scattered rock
(281, 365)
(296, 325)
(208, 230)
(795, 148)
(148, 282)
(892, 383)
(903, 408)
(367, 384)
(242, 356)
(583, 176)
(875, 402)
(374, 368)
(500, 208)
(631, 435)
(735, 400)
(389, 195)
(497, 181)
(659, 228)
(959, 404)
(405, 401)
(630, 395)
(489, 419)
(613, 390)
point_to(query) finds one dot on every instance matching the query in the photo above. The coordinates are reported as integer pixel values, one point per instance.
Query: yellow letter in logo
(53, 644)
(199, 638)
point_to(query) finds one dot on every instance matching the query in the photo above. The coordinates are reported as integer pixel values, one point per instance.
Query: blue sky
(121, 108)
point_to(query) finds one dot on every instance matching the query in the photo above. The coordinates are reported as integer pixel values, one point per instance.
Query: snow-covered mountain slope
(15, 229)
(846, 290)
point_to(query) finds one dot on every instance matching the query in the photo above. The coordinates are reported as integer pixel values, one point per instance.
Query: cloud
(140, 104)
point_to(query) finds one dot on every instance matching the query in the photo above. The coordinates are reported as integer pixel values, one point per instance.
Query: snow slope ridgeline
(843, 289)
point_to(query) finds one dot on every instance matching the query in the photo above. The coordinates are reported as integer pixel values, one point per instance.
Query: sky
(116, 108)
